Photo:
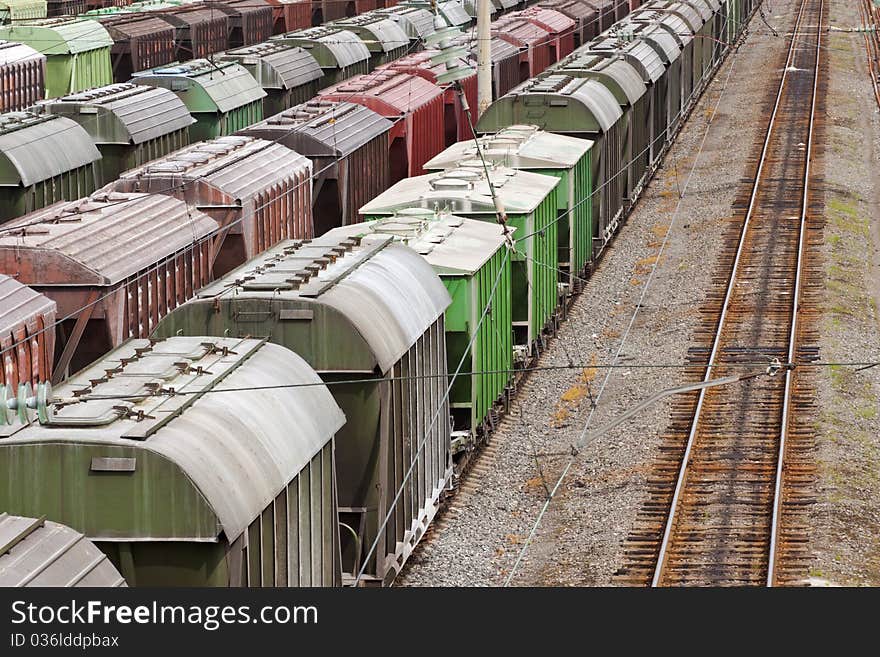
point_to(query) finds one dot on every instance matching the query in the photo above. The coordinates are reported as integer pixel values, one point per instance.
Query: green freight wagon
(288, 74)
(528, 148)
(340, 53)
(130, 124)
(37, 552)
(471, 259)
(368, 317)
(416, 22)
(77, 52)
(577, 107)
(203, 488)
(529, 200)
(384, 38)
(221, 96)
(43, 159)
(13, 11)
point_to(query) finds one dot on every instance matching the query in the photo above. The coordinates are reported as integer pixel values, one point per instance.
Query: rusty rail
(728, 494)
(870, 19)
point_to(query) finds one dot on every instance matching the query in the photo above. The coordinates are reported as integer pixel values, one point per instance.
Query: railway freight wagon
(470, 258)
(43, 159)
(258, 192)
(535, 43)
(384, 38)
(38, 553)
(530, 203)
(290, 15)
(130, 124)
(585, 16)
(202, 489)
(634, 127)
(13, 11)
(560, 28)
(22, 76)
(221, 96)
(505, 61)
(578, 107)
(414, 104)
(416, 22)
(200, 30)
(288, 74)
(250, 21)
(457, 124)
(452, 11)
(140, 42)
(27, 339)
(340, 53)
(368, 313)
(113, 263)
(348, 147)
(526, 148)
(77, 52)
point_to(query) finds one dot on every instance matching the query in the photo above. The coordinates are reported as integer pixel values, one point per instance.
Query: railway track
(870, 17)
(730, 490)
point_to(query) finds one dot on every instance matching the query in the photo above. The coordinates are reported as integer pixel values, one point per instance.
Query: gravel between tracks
(580, 541)
(846, 517)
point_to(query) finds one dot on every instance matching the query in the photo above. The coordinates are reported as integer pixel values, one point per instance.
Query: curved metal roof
(35, 148)
(387, 292)
(380, 34)
(276, 65)
(388, 92)
(20, 305)
(638, 53)
(331, 47)
(703, 8)
(58, 36)
(519, 147)
(237, 449)
(11, 52)
(123, 113)
(465, 190)
(227, 85)
(664, 44)
(500, 49)
(100, 240)
(16, 10)
(572, 104)
(322, 128)
(39, 552)
(621, 77)
(451, 245)
(415, 21)
(690, 15)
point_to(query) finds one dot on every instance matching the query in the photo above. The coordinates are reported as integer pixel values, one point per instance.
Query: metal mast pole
(484, 59)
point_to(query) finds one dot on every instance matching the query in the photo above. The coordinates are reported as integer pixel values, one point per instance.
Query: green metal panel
(18, 10)
(116, 158)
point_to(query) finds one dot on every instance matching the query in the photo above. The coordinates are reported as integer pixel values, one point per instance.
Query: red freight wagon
(348, 147)
(140, 42)
(56, 8)
(535, 40)
(114, 263)
(22, 76)
(416, 106)
(250, 21)
(200, 31)
(27, 337)
(586, 17)
(506, 70)
(259, 192)
(560, 27)
(325, 11)
(607, 14)
(456, 122)
(291, 15)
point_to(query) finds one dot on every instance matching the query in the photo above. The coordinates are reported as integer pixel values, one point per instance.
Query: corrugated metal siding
(139, 43)
(22, 76)
(26, 336)
(250, 21)
(18, 10)
(561, 28)
(59, 36)
(45, 553)
(380, 34)
(332, 48)
(416, 22)
(199, 31)
(523, 33)
(276, 65)
(229, 86)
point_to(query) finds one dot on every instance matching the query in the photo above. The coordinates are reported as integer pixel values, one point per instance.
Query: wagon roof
(386, 291)
(39, 552)
(239, 166)
(465, 190)
(702, 7)
(139, 112)
(22, 9)
(59, 36)
(276, 65)
(523, 31)
(380, 34)
(104, 238)
(189, 15)
(227, 84)
(322, 128)
(671, 23)
(666, 45)
(20, 304)
(518, 146)
(239, 449)
(454, 13)
(637, 52)
(35, 148)
(344, 47)
(233, 7)
(11, 52)
(417, 22)
(124, 26)
(692, 19)
(572, 8)
(420, 64)
(558, 22)
(451, 245)
(616, 73)
(396, 93)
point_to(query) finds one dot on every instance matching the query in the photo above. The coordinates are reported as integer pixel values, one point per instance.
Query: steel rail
(682, 474)
(792, 346)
